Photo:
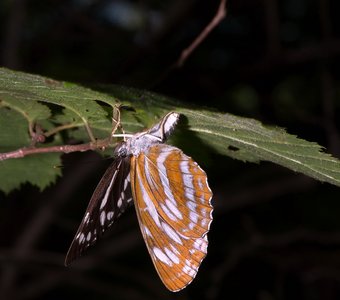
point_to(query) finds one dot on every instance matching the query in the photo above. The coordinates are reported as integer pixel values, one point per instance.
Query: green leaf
(39, 170)
(32, 111)
(60, 106)
(13, 130)
(249, 140)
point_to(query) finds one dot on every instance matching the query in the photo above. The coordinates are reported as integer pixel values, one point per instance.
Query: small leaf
(37, 169)
(13, 130)
(40, 170)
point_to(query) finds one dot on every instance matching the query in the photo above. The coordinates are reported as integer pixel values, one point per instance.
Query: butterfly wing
(173, 204)
(110, 199)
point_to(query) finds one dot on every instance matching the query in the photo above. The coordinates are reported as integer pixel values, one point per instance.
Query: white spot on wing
(189, 271)
(172, 206)
(204, 222)
(88, 236)
(150, 207)
(162, 175)
(86, 218)
(126, 182)
(193, 217)
(147, 231)
(191, 205)
(201, 244)
(171, 255)
(192, 251)
(120, 201)
(187, 179)
(200, 183)
(167, 212)
(204, 212)
(108, 191)
(171, 233)
(109, 215)
(174, 249)
(161, 256)
(81, 238)
(102, 218)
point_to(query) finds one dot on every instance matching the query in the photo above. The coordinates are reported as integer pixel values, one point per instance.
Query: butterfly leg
(116, 119)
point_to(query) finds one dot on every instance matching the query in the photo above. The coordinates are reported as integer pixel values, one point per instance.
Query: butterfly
(172, 199)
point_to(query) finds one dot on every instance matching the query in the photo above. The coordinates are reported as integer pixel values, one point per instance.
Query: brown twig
(22, 152)
(94, 145)
(219, 16)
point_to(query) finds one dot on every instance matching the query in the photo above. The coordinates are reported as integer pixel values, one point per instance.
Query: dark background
(275, 235)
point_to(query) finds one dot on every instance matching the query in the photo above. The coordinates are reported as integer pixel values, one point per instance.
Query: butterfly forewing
(172, 199)
(110, 199)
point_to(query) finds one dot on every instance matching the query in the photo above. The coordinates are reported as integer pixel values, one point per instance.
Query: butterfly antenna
(115, 119)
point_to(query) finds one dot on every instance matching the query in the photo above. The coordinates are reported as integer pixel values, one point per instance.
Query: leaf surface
(27, 99)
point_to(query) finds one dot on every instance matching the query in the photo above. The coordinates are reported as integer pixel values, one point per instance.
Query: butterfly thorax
(142, 141)
(136, 144)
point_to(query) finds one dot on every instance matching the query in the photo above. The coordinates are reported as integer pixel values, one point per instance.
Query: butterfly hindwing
(173, 206)
(184, 196)
(110, 199)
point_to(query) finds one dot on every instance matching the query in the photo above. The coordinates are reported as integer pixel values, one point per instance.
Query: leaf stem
(60, 128)
(89, 131)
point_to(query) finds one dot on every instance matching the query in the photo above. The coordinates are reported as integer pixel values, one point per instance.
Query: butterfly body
(142, 141)
(172, 200)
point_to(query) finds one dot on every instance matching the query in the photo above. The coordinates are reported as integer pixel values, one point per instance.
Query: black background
(275, 235)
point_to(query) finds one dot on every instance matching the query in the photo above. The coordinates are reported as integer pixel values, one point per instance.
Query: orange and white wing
(173, 204)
